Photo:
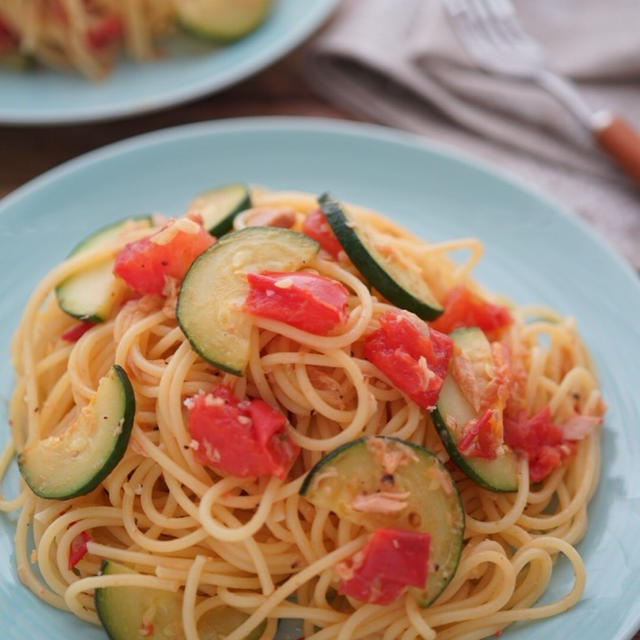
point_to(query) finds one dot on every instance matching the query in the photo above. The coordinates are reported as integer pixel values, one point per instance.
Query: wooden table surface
(26, 152)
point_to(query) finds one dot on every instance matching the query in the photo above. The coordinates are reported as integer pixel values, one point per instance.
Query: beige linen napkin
(400, 63)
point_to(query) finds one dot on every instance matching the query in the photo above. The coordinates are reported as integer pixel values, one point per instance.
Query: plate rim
(330, 125)
(261, 60)
(326, 125)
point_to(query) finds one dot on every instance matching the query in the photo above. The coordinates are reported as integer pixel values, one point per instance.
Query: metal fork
(493, 37)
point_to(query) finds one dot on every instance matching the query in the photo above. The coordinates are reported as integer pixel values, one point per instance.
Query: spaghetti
(254, 544)
(88, 36)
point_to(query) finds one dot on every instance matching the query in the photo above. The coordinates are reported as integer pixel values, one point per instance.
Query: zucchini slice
(17, 61)
(401, 287)
(370, 466)
(131, 613)
(221, 20)
(76, 461)
(218, 207)
(210, 303)
(91, 294)
(453, 412)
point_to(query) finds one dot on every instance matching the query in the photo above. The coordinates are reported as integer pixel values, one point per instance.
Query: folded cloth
(400, 63)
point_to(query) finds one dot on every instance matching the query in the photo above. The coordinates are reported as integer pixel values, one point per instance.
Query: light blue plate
(194, 70)
(535, 252)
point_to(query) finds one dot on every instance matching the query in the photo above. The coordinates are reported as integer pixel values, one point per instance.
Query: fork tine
(489, 28)
(501, 7)
(491, 33)
(504, 11)
(466, 28)
(494, 13)
(505, 22)
(485, 24)
(500, 25)
(477, 11)
(454, 6)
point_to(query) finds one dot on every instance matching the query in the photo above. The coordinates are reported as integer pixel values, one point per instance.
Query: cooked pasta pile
(255, 545)
(87, 36)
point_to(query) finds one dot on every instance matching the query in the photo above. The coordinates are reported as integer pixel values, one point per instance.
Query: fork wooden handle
(620, 140)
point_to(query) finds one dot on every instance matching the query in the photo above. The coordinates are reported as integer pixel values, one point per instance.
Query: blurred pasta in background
(89, 35)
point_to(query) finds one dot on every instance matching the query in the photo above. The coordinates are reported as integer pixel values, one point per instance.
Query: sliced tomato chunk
(392, 560)
(414, 357)
(74, 333)
(463, 308)
(539, 439)
(105, 32)
(242, 437)
(308, 301)
(316, 227)
(145, 264)
(78, 548)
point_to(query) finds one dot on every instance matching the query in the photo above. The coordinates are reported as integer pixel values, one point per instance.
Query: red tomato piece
(145, 263)
(242, 437)
(316, 227)
(392, 560)
(479, 438)
(463, 308)
(105, 32)
(74, 333)
(540, 439)
(413, 356)
(307, 301)
(78, 548)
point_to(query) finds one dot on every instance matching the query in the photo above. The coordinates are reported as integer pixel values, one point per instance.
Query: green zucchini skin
(394, 284)
(17, 61)
(90, 294)
(353, 468)
(53, 469)
(218, 207)
(210, 303)
(121, 611)
(95, 238)
(221, 21)
(485, 476)
(326, 461)
(499, 474)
